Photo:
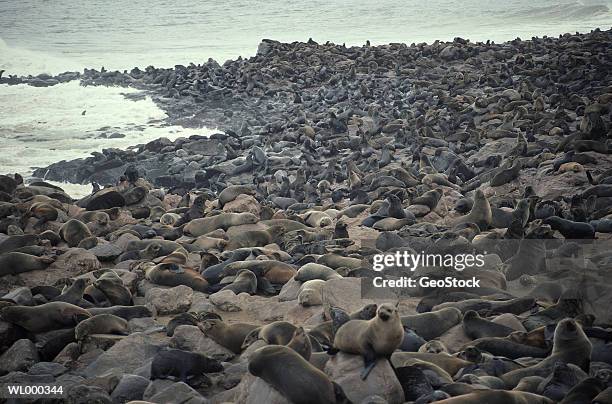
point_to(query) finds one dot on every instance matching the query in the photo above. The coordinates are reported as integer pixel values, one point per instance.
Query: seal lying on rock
(294, 377)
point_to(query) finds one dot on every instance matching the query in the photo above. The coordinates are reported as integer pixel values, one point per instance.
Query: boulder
(345, 369)
(130, 387)
(253, 390)
(190, 338)
(178, 393)
(243, 203)
(169, 301)
(126, 355)
(19, 357)
(226, 300)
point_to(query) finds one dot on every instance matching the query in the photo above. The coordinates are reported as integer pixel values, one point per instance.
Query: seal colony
(230, 268)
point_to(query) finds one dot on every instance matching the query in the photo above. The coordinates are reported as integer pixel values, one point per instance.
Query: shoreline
(214, 106)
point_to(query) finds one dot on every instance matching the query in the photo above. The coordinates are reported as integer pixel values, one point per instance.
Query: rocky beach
(237, 267)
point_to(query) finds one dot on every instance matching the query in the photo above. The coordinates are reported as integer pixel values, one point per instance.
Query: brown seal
(101, 324)
(73, 232)
(293, 376)
(275, 333)
(450, 364)
(230, 336)
(245, 282)
(498, 396)
(12, 263)
(432, 324)
(372, 339)
(477, 327)
(570, 345)
(184, 365)
(480, 214)
(300, 343)
(199, 227)
(254, 238)
(46, 317)
(171, 274)
(275, 271)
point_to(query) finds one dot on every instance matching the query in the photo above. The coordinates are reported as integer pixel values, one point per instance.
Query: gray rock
(190, 338)
(226, 300)
(9, 333)
(290, 290)
(126, 355)
(20, 296)
(130, 387)
(156, 386)
(345, 369)
(83, 394)
(170, 301)
(144, 324)
(178, 393)
(76, 261)
(48, 368)
(253, 390)
(19, 357)
(106, 252)
(200, 303)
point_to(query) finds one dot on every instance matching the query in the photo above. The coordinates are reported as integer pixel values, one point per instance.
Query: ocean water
(39, 126)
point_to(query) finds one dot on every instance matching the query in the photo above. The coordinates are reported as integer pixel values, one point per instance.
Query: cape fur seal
(13, 263)
(73, 232)
(230, 336)
(101, 324)
(372, 339)
(294, 377)
(46, 317)
(432, 324)
(199, 227)
(480, 213)
(184, 365)
(570, 345)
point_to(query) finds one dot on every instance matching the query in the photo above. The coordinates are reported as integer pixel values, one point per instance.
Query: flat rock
(126, 355)
(106, 252)
(178, 393)
(169, 301)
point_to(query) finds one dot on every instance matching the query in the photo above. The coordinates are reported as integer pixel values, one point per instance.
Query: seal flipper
(369, 361)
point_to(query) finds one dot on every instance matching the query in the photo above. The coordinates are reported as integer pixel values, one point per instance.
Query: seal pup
(184, 365)
(372, 339)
